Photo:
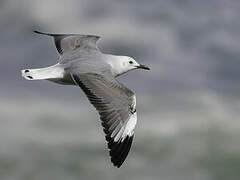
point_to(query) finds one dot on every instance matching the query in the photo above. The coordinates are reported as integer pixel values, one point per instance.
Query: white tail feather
(48, 73)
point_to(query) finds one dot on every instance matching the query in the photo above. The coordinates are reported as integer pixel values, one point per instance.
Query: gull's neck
(116, 64)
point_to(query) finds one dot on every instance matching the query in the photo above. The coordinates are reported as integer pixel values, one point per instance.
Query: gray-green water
(55, 139)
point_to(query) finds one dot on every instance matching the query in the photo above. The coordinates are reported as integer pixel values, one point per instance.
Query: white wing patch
(134, 103)
(128, 128)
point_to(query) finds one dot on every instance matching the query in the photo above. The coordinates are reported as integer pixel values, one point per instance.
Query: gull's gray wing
(70, 42)
(116, 105)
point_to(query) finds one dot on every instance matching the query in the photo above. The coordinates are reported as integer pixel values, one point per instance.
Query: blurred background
(188, 104)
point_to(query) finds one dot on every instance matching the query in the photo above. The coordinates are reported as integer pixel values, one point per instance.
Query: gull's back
(90, 62)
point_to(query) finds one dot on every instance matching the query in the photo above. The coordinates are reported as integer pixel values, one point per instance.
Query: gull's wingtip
(39, 32)
(119, 150)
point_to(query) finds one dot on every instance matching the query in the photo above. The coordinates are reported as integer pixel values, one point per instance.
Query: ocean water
(188, 104)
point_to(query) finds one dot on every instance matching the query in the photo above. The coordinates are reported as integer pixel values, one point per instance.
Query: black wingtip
(38, 32)
(119, 150)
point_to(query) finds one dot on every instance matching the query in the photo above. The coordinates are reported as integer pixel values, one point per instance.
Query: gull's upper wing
(70, 42)
(116, 105)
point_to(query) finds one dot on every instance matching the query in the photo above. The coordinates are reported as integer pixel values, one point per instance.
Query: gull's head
(126, 64)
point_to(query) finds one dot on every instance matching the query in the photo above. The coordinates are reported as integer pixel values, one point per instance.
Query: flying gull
(81, 63)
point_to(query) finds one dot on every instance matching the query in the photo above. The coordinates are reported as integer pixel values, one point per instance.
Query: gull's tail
(48, 73)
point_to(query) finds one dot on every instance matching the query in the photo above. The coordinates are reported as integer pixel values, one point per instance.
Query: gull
(81, 63)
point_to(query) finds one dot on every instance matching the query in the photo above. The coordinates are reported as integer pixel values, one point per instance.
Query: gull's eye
(130, 62)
